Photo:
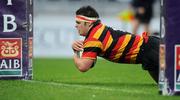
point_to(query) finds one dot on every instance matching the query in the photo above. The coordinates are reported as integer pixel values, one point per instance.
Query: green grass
(58, 79)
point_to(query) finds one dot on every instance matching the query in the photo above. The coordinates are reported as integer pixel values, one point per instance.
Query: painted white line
(88, 87)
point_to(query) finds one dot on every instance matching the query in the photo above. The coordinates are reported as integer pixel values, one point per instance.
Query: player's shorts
(149, 54)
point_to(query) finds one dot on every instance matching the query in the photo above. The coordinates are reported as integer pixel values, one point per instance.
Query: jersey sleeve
(91, 49)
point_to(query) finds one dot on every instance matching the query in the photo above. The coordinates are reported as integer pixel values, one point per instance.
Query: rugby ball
(79, 53)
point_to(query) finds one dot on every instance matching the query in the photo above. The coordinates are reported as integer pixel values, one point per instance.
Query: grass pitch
(58, 79)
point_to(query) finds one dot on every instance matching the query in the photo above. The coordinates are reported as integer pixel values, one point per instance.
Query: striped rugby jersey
(113, 45)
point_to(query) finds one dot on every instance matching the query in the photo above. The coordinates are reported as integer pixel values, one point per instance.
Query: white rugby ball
(79, 53)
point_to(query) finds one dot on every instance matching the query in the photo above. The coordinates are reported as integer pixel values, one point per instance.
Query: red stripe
(92, 55)
(106, 38)
(118, 45)
(134, 46)
(94, 30)
(145, 36)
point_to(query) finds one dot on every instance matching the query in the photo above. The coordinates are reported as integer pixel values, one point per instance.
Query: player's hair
(87, 11)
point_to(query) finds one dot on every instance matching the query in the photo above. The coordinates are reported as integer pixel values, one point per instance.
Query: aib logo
(177, 56)
(10, 48)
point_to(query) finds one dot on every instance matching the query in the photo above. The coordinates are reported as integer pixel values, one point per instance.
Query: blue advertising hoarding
(169, 77)
(16, 36)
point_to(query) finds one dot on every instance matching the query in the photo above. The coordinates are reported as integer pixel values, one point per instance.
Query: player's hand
(77, 45)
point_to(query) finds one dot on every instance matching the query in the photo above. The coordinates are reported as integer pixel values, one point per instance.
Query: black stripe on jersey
(108, 51)
(116, 33)
(92, 49)
(103, 35)
(128, 47)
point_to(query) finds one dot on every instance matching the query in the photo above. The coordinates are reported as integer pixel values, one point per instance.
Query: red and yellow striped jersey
(113, 45)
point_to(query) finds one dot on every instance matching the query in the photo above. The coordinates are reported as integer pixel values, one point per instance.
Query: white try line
(88, 87)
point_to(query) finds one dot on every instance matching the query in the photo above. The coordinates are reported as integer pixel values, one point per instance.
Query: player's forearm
(80, 65)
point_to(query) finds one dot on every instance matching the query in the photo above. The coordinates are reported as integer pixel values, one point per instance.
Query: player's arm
(82, 64)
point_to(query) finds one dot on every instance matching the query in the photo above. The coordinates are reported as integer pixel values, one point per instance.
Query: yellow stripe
(108, 43)
(123, 46)
(99, 32)
(136, 51)
(93, 44)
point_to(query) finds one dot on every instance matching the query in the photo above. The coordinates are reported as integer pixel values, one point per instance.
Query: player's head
(85, 17)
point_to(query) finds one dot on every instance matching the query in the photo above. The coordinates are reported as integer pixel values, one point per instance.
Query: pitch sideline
(87, 87)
